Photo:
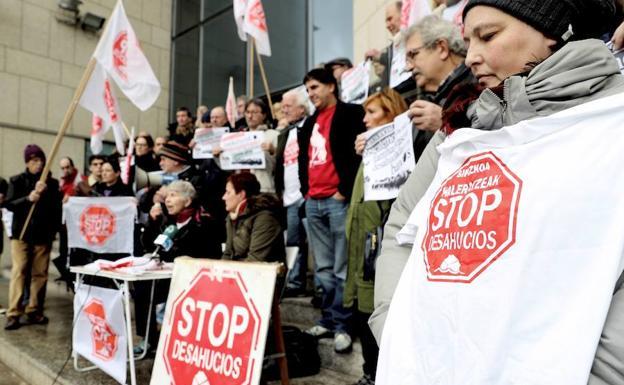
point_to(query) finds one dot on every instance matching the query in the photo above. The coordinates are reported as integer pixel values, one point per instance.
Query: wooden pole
(69, 114)
(251, 69)
(264, 80)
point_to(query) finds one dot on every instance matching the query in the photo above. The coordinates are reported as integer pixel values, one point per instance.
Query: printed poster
(241, 151)
(206, 139)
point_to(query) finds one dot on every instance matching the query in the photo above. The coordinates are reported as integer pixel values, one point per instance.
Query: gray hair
(300, 98)
(183, 188)
(432, 29)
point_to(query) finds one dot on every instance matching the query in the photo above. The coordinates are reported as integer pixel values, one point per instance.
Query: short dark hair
(399, 5)
(114, 162)
(262, 105)
(323, 76)
(185, 109)
(246, 182)
(96, 157)
(148, 138)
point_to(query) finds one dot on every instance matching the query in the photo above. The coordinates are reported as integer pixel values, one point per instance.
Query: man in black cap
(32, 251)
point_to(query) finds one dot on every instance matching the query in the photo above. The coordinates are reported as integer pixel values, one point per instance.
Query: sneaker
(319, 331)
(342, 342)
(12, 323)
(140, 347)
(36, 319)
(366, 379)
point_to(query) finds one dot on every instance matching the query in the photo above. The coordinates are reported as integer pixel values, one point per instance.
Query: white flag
(414, 10)
(101, 225)
(255, 24)
(99, 98)
(121, 56)
(230, 104)
(99, 332)
(239, 16)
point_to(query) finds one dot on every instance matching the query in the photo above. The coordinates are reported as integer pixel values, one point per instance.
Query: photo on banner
(206, 139)
(242, 150)
(388, 159)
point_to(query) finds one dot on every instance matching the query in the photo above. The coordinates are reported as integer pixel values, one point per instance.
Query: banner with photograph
(206, 139)
(241, 151)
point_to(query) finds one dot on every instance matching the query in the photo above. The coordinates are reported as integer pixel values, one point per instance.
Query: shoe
(342, 343)
(366, 379)
(292, 292)
(319, 331)
(36, 319)
(140, 347)
(12, 323)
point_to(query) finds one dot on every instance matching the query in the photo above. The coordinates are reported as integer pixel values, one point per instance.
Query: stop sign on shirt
(472, 219)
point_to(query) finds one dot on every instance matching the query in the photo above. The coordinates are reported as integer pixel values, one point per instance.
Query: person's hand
(65, 198)
(216, 151)
(618, 38)
(268, 146)
(40, 187)
(192, 143)
(155, 211)
(338, 196)
(160, 195)
(360, 143)
(33, 196)
(372, 54)
(425, 115)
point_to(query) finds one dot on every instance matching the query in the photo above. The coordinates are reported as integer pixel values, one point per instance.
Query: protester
(254, 230)
(159, 143)
(194, 238)
(363, 221)
(184, 130)
(382, 60)
(535, 59)
(288, 186)
(95, 169)
(144, 156)
(241, 102)
(218, 117)
(4, 186)
(111, 184)
(70, 178)
(30, 254)
(327, 168)
(201, 110)
(338, 66)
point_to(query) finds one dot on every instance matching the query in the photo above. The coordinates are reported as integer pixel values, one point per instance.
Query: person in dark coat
(144, 157)
(194, 238)
(4, 186)
(111, 184)
(31, 253)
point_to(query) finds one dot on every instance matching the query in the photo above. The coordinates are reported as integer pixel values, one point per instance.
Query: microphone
(164, 241)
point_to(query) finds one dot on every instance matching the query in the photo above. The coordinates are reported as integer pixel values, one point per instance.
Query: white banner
(99, 332)
(7, 222)
(388, 159)
(215, 323)
(398, 74)
(354, 83)
(255, 24)
(206, 139)
(241, 150)
(101, 225)
(414, 10)
(511, 224)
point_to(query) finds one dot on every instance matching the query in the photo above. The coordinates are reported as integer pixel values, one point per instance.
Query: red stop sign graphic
(472, 220)
(214, 330)
(97, 224)
(103, 336)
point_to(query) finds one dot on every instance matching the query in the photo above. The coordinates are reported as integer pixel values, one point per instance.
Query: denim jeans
(296, 236)
(327, 237)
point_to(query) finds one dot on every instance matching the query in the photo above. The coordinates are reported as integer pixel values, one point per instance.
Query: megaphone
(150, 179)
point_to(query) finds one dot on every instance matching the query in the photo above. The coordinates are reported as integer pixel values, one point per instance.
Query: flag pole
(251, 68)
(69, 114)
(264, 79)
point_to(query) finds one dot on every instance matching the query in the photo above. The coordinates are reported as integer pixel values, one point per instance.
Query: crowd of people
(516, 66)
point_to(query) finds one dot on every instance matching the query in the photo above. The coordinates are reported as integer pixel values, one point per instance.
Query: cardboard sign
(215, 323)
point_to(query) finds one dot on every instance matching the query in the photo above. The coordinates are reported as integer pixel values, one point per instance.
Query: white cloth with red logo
(101, 225)
(99, 333)
(533, 315)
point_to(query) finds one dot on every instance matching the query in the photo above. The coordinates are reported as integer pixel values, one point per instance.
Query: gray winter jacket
(577, 73)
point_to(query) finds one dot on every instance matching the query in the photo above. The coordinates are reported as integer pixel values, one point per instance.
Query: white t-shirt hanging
(292, 185)
(517, 245)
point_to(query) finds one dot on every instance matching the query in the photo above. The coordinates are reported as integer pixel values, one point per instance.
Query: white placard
(7, 221)
(241, 150)
(398, 74)
(206, 139)
(354, 83)
(388, 159)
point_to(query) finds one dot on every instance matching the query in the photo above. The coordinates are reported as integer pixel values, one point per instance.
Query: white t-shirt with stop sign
(517, 245)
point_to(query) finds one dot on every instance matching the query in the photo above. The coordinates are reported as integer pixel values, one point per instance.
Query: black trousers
(370, 350)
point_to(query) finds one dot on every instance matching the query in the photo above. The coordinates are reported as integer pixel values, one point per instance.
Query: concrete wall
(42, 61)
(369, 28)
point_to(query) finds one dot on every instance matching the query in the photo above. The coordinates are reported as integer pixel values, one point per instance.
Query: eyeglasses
(253, 112)
(412, 53)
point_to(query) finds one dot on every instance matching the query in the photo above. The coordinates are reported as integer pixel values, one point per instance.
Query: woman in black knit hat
(532, 59)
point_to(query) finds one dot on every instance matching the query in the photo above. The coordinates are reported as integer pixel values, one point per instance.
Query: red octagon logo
(97, 224)
(472, 220)
(214, 332)
(103, 336)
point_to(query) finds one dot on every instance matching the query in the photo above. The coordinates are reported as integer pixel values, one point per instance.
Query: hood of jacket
(577, 73)
(264, 201)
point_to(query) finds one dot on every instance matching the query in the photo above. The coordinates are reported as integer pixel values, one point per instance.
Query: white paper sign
(241, 150)
(101, 225)
(398, 74)
(7, 221)
(354, 83)
(512, 220)
(388, 159)
(215, 323)
(99, 333)
(206, 139)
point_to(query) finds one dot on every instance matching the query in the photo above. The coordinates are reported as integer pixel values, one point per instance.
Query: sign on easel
(215, 325)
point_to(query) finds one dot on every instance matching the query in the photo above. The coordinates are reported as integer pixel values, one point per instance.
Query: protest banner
(99, 332)
(388, 159)
(496, 242)
(206, 139)
(241, 150)
(398, 73)
(215, 324)
(101, 225)
(354, 83)
(7, 221)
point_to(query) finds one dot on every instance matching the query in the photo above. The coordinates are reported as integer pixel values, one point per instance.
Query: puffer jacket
(578, 73)
(256, 235)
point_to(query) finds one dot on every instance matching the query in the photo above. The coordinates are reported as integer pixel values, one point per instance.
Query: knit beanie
(176, 151)
(33, 151)
(562, 20)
